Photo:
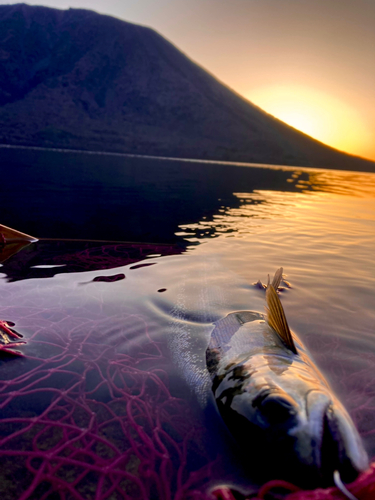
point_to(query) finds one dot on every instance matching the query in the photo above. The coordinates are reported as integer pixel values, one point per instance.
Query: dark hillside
(77, 79)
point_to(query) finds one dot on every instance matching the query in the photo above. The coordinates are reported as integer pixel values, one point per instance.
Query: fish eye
(277, 409)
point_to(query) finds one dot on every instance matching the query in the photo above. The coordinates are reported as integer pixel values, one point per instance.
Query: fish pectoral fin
(276, 315)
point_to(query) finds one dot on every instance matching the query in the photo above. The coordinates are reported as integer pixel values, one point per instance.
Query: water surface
(116, 332)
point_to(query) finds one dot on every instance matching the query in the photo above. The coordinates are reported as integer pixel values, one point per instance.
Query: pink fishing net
(85, 421)
(362, 489)
(84, 417)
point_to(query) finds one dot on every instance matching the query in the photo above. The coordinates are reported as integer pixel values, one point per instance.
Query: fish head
(282, 409)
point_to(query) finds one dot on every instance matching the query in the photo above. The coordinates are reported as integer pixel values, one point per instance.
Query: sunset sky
(311, 63)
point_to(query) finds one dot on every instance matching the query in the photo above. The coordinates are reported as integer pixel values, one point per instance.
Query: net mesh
(83, 418)
(88, 422)
(362, 489)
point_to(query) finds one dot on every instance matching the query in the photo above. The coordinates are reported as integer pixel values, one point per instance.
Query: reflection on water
(115, 344)
(319, 190)
(338, 182)
(285, 210)
(46, 258)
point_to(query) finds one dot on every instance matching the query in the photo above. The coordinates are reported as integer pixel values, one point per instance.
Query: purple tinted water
(87, 411)
(111, 398)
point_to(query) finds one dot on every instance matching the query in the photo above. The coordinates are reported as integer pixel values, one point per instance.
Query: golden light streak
(320, 115)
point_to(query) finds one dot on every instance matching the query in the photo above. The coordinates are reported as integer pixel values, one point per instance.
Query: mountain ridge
(80, 80)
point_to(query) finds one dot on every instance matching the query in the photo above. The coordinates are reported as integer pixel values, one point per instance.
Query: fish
(275, 401)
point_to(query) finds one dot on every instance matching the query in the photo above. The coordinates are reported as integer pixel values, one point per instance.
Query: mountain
(77, 79)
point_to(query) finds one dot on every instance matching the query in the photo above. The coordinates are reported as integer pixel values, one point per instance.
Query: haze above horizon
(310, 63)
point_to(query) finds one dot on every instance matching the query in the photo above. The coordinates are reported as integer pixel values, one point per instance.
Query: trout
(276, 403)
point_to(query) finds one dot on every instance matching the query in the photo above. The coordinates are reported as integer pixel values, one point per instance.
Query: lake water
(110, 398)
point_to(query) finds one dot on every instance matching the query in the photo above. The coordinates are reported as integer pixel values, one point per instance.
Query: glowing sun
(317, 114)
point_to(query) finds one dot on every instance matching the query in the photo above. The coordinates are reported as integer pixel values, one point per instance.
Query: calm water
(113, 386)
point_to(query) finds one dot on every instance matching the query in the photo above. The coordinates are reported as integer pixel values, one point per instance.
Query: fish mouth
(332, 452)
(306, 447)
(336, 445)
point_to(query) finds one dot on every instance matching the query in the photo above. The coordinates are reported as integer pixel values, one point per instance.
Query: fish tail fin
(277, 278)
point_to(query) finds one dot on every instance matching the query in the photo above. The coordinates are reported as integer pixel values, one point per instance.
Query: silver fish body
(279, 406)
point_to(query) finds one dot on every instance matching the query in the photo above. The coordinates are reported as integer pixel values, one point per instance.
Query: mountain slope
(78, 79)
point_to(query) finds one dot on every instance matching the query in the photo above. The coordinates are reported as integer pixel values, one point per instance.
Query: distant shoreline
(187, 160)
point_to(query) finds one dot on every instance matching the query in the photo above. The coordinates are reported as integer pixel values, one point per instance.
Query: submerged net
(88, 418)
(362, 489)
(85, 421)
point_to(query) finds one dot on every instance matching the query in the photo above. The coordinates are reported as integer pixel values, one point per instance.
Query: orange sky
(311, 63)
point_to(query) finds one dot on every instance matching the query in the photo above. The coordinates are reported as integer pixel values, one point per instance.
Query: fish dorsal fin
(276, 318)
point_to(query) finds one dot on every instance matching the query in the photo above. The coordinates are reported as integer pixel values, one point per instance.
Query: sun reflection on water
(355, 184)
(320, 204)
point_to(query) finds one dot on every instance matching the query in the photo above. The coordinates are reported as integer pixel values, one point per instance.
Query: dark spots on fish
(234, 378)
(110, 279)
(217, 381)
(138, 266)
(161, 290)
(212, 360)
(234, 384)
(239, 373)
(226, 397)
